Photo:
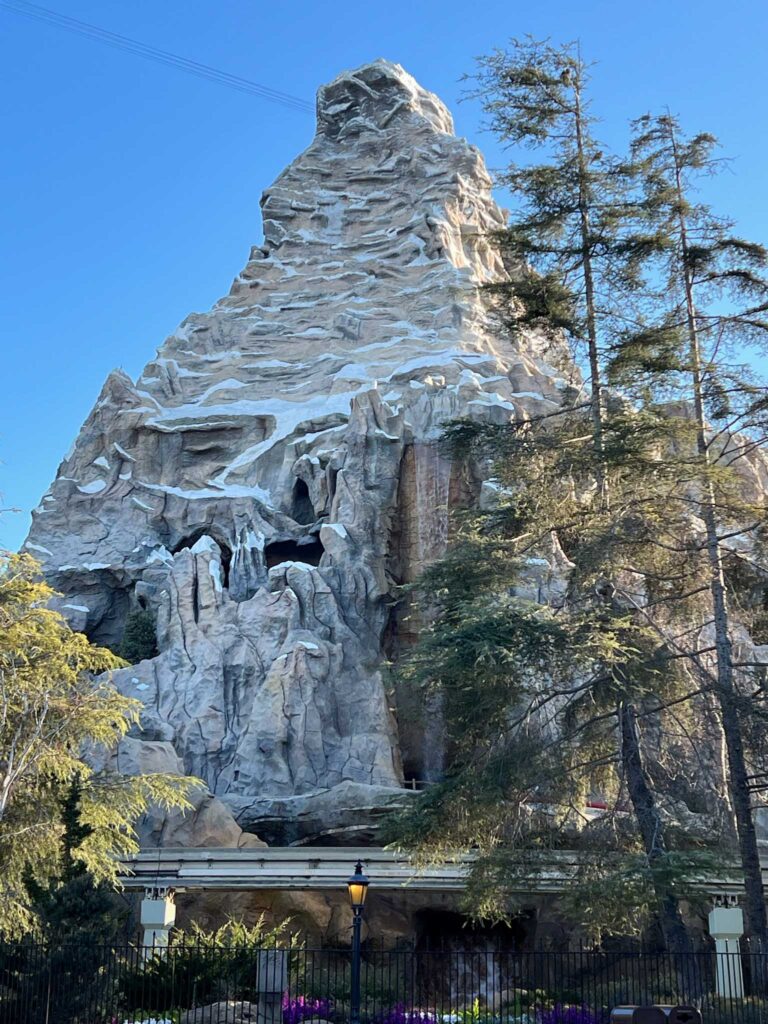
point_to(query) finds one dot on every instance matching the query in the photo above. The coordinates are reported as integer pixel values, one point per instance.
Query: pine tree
(592, 487)
(570, 247)
(139, 637)
(71, 905)
(547, 672)
(710, 306)
(577, 253)
(75, 916)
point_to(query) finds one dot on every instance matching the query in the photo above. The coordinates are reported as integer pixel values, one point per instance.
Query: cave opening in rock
(302, 509)
(226, 551)
(438, 928)
(310, 551)
(110, 605)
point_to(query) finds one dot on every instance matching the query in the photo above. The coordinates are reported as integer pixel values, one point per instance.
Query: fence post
(48, 990)
(272, 981)
(726, 926)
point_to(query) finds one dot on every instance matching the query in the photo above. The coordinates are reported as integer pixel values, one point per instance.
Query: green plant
(475, 1014)
(53, 710)
(525, 1002)
(752, 1010)
(139, 637)
(203, 967)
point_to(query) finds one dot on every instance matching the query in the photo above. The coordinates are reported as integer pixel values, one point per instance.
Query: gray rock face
(209, 823)
(225, 1012)
(273, 472)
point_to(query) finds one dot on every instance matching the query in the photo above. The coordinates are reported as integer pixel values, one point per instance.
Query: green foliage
(573, 247)
(568, 618)
(698, 258)
(712, 290)
(72, 907)
(139, 638)
(615, 892)
(204, 966)
(76, 915)
(531, 682)
(235, 932)
(56, 703)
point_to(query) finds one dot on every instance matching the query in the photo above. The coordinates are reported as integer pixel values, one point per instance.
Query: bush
(203, 967)
(139, 637)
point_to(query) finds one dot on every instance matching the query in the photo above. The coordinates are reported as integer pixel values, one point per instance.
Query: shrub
(139, 637)
(203, 967)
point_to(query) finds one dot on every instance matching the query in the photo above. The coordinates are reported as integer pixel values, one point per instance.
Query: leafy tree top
(56, 705)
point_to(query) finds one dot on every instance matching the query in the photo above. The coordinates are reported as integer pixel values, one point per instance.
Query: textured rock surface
(209, 823)
(273, 471)
(323, 917)
(228, 1012)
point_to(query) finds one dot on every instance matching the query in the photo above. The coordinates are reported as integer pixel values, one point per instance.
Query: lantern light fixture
(357, 885)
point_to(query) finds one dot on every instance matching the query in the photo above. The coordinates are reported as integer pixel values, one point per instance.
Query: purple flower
(302, 1008)
(399, 1015)
(563, 1014)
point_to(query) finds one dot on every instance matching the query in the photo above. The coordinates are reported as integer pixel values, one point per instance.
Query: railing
(191, 983)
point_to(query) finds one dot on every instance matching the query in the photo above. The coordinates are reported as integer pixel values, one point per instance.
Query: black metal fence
(197, 984)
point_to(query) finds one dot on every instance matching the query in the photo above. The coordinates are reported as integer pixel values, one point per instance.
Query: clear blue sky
(130, 190)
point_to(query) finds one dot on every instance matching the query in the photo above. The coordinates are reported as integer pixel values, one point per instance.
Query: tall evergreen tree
(548, 672)
(70, 905)
(586, 476)
(76, 916)
(631, 495)
(710, 306)
(570, 246)
(139, 637)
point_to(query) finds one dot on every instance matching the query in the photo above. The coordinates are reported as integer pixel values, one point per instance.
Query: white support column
(726, 926)
(158, 915)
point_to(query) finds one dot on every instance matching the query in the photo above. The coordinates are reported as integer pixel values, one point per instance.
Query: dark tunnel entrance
(302, 509)
(309, 551)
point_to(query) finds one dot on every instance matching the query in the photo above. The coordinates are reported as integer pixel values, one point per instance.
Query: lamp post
(357, 885)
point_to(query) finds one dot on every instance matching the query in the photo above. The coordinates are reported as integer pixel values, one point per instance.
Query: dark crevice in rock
(309, 551)
(110, 603)
(332, 476)
(302, 509)
(226, 561)
(449, 929)
(195, 597)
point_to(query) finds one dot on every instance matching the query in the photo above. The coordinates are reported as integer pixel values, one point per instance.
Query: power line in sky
(192, 67)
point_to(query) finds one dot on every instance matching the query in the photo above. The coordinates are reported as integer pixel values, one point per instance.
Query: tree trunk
(649, 822)
(597, 410)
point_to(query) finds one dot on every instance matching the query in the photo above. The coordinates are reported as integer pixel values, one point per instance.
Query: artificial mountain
(273, 475)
